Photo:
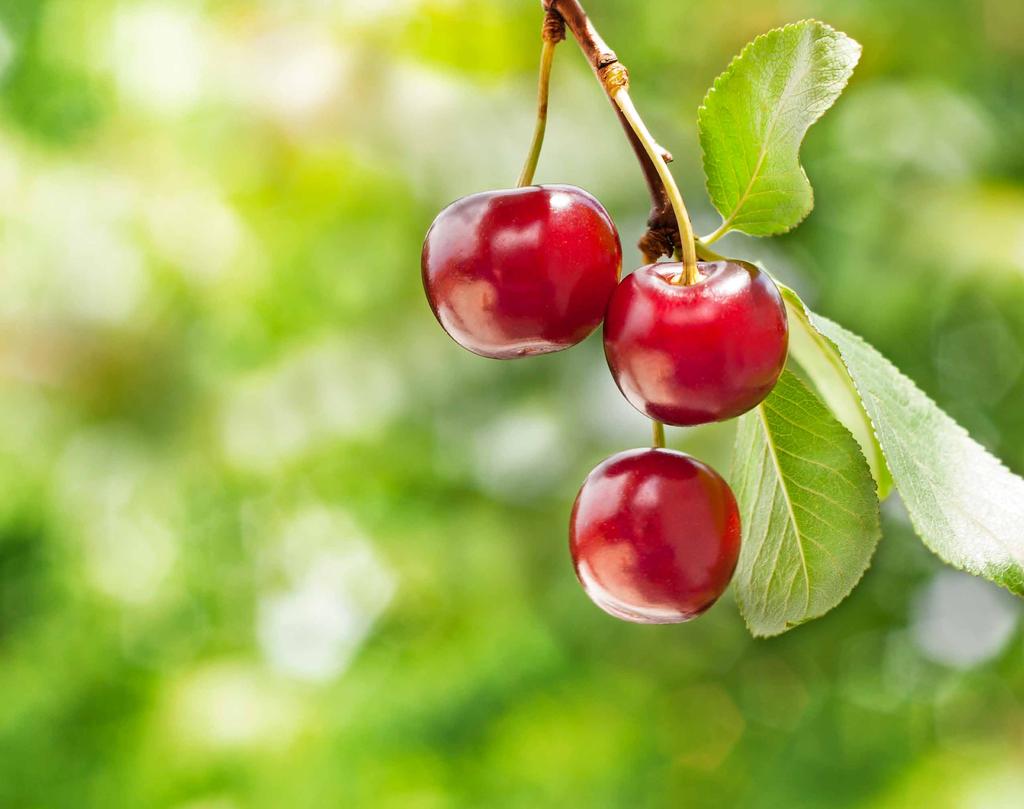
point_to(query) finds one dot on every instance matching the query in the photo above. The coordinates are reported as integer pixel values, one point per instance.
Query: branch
(662, 237)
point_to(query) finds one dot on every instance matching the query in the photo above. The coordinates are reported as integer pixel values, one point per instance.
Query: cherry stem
(689, 274)
(718, 232)
(547, 54)
(658, 434)
(668, 225)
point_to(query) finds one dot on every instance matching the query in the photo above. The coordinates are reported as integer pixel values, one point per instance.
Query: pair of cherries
(654, 533)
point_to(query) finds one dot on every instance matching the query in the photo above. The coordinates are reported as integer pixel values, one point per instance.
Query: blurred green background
(269, 539)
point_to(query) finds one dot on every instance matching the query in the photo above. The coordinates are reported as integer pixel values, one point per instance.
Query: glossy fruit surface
(521, 271)
(655, 536)
(694, 354)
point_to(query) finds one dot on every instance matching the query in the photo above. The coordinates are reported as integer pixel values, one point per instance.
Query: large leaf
(808, 508)
(966, 506)
(819, 358)
(754, 119)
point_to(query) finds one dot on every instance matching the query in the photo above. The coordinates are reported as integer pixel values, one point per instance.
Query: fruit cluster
(832, 428)
(654, 534)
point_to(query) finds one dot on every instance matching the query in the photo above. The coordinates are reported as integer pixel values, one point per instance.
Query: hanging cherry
(654, 536)
(693, 353)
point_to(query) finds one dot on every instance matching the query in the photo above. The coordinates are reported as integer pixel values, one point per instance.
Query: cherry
(654, 535)
(692, 354)
(521, 271)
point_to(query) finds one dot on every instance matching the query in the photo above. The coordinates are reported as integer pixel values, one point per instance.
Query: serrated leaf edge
(958, 429)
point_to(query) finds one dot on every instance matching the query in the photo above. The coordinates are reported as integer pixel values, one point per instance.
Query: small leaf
(754, 119)
(819, 358)
(808, 509)
(967, 507)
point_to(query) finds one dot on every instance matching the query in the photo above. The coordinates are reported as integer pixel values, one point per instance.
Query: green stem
(658, 434)
(689, 274)
(707, 254)
(717, 233)
(547, 54)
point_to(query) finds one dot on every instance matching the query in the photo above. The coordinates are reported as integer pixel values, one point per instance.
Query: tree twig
(662, 236)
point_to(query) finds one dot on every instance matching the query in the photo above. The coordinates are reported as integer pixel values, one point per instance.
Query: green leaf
(819, 358)
(967, 507)
(754, 119)
(808, 508)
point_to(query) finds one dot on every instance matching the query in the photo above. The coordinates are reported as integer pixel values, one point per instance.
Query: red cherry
(521, 271)
(654, 535)
(693, 354)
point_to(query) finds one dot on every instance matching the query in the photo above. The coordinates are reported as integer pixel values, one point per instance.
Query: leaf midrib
(772, 451)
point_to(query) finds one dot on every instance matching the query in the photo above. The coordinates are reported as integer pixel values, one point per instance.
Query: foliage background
(268, 538)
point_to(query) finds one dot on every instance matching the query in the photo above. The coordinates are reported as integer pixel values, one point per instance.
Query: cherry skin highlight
(654, 536)
(694, 354)
(521, 271)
